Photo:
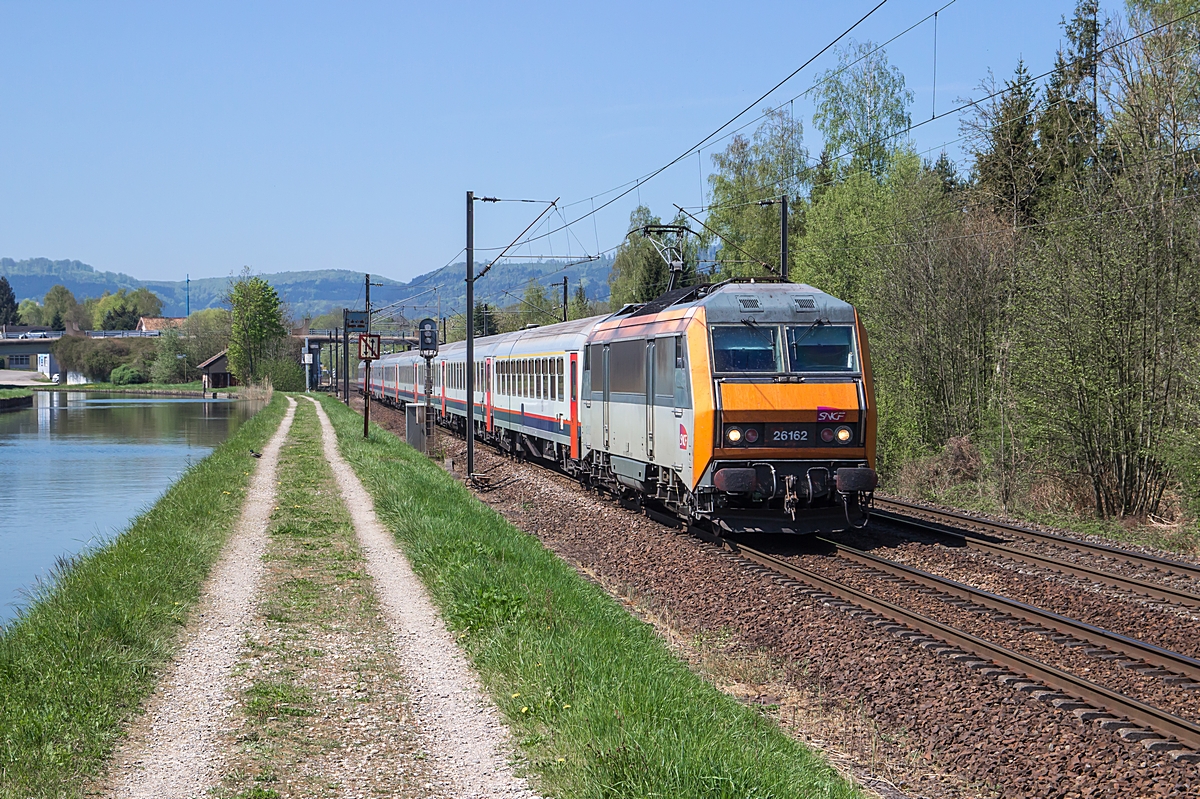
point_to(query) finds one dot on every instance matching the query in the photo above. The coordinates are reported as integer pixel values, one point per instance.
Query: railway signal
(427, 343)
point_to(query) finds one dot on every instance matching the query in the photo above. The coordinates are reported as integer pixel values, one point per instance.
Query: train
(747, 406)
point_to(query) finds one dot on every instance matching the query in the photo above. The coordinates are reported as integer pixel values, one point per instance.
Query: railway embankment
(887, 705)
(78, 661)
(598, 703)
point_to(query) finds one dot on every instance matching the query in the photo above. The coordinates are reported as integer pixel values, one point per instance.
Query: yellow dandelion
(514, 696)
(565, 707)
(524, 709)
(224, 492)
(562, 760)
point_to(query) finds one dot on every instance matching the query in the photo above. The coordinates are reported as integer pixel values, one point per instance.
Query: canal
(77, 467)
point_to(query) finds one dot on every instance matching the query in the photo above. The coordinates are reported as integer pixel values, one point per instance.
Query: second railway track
(1065, 690)
(983, 535)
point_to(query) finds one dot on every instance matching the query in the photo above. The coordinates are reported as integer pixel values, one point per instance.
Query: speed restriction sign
(368, 346)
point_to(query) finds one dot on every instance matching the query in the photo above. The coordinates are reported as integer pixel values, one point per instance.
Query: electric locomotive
(746, 404)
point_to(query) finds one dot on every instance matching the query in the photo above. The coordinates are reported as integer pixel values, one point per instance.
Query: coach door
(487, 396)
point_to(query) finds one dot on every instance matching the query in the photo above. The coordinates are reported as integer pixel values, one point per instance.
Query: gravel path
(469, 743)
(173, 749)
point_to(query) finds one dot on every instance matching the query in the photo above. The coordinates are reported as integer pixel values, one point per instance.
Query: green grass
(598, 705)
(10, 393)
(77, 662)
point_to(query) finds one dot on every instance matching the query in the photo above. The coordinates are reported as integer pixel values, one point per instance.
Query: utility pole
(187, 293)
(783, 244)
(782, 202)
(367, 373)
(564, 298)
(470, 334)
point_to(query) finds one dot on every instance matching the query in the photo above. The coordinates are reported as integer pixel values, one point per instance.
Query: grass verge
(76, 663)
(597, 703)
(13, 393)
(324, 696)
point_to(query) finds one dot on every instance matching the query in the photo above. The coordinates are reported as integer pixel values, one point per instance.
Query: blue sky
(160, 139)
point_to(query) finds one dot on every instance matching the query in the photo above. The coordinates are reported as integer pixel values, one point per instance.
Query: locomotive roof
(770, 302)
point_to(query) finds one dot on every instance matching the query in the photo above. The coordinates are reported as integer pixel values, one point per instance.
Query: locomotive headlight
(827, 435)
(843, 434)
(751, 435)
(734, 435)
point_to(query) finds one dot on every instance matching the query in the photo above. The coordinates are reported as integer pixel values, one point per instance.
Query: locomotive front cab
(793, 423)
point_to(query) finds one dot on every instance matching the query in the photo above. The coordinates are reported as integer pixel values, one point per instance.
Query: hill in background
(317, 292)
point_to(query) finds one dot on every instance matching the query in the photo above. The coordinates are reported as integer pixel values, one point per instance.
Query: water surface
(78, 466)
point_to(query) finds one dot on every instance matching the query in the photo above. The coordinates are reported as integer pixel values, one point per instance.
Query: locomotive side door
(650, 345)
(607, 397)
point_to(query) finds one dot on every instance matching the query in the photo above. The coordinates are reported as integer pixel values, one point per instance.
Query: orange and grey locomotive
(748, 405)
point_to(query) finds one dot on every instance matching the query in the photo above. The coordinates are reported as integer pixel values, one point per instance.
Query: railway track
(1062, 689)
(969, 531)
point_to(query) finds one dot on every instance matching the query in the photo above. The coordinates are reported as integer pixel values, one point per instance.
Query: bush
(285, 374)
(128, 374)
(97, 358)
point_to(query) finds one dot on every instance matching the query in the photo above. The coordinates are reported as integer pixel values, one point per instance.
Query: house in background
(160, 323)
(215, 372)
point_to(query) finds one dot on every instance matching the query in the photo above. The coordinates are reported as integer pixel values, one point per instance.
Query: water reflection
(76, 467)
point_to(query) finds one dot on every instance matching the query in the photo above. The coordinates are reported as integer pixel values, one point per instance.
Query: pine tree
(8, 303)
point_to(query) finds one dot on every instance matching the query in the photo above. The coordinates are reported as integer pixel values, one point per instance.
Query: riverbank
(194, 389)
(77, 662)
(12, 399)
(596, 701)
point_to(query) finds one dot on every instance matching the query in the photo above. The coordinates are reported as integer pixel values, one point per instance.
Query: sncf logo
(682, 437)
(829, 414)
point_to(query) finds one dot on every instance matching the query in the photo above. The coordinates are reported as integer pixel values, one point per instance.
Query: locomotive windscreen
(821, 348)
(746, 348)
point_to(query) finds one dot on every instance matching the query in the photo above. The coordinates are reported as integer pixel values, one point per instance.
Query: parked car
(56, 379)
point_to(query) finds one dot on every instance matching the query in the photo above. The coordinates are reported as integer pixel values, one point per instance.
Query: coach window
(574, 367)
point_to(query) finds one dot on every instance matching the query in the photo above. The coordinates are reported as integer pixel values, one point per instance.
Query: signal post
(368, 351)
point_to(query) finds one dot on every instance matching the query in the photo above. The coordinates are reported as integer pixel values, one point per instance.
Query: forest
(1033, 312)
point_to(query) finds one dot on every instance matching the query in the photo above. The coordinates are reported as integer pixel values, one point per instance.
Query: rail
(1098, 696)
(1131, 647)
(1116, 553)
